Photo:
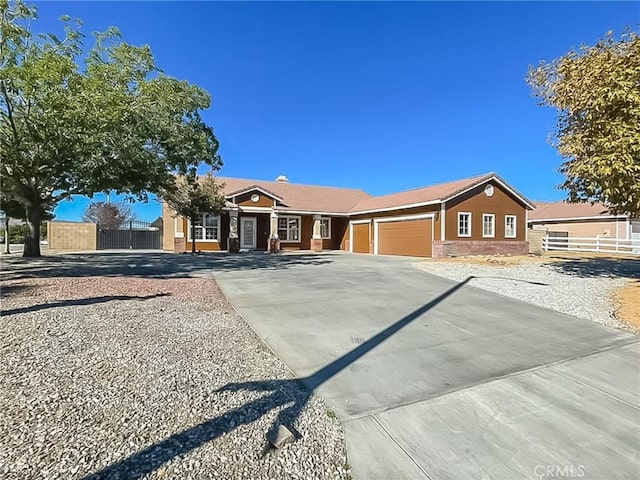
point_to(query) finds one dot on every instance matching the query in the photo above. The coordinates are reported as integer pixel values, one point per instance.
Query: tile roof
(562, 209)
(298, 197)
(423, 195)
(313, 198)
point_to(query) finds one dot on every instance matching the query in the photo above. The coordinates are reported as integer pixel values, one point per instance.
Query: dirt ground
(119, 376)
(627, 298)
(502, 260)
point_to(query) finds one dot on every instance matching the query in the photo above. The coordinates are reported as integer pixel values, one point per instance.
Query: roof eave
(570, 219)
(399, 207)
(251, 188)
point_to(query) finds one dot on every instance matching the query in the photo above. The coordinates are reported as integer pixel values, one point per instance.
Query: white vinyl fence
(591, 244)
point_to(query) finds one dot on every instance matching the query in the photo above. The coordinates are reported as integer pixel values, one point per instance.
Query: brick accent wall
(179, 245)
(72, 236)
(316, 244)
(479, 247)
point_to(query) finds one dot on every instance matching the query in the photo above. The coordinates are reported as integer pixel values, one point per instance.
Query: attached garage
(409, 236)
(360, 235)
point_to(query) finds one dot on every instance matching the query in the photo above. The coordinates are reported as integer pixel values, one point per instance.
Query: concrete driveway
(440, 380)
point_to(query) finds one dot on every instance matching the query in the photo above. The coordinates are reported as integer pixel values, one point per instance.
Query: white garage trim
(351, 224)
(442, 222)
(377, 221)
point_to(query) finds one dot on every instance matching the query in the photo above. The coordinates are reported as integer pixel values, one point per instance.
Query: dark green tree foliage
(74, 124)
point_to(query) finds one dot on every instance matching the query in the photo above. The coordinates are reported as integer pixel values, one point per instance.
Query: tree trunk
(32, 235)
(193, 235)
(7, 248)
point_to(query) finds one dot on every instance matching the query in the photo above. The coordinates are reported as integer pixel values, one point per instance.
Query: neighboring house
(479, 215)
(583, 220)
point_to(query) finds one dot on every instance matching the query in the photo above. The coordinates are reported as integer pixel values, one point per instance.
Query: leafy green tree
(80, 124)
(106, 214)
(194, 196)
(597, 93)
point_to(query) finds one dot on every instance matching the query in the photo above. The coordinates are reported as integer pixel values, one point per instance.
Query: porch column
(234, 241)
(273, 230)
(316, 238)
(274, 242)
(179, 244)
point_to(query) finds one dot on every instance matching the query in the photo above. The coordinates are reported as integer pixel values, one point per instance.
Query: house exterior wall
(479, 247)
(344, 240)
(434, 209)
(306, 230)
(477, 203)
(339, 227)
(168, 227)
(210, 246)
(245, 200)
(588, 228)
(72, 235)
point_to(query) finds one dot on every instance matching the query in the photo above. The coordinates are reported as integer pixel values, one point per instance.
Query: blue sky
(382, 96)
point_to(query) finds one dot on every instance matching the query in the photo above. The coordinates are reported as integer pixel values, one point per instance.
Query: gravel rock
(122, 377)
(584, 296)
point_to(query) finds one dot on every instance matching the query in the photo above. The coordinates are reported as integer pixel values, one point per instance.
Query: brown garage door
(361, 238)
(407, 237)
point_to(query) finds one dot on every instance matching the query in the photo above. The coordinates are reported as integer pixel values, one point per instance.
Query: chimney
(282, 179)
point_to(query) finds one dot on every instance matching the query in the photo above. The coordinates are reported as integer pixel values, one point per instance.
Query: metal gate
(132, 235)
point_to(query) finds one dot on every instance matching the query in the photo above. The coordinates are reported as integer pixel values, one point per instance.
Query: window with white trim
(510, 226)
(289, 229)
(488, 225)
(325, 228)
(464, 224)
(207, 228)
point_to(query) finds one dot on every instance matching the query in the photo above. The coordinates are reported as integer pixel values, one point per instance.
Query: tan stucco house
(583, 220)
(479, 215)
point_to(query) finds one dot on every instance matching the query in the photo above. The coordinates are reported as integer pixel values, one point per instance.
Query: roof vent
(282, 179)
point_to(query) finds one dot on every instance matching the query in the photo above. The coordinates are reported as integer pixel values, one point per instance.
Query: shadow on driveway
(153, 265)
(153, 457)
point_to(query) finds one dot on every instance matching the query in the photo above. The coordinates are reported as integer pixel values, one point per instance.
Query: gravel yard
(130, 377)
(583, 288)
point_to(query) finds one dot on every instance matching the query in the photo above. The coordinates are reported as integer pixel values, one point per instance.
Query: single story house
(479, 215)
(583, 220)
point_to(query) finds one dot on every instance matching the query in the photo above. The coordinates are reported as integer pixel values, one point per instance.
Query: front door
(248, 232)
